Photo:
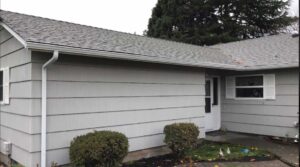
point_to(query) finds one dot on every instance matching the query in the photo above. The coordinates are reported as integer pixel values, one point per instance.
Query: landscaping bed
(207, 151)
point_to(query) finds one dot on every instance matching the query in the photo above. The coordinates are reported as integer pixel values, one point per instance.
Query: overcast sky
(121, 15)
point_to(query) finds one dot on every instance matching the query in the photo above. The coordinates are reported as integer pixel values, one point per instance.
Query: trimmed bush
(99, 149)
(180, 137)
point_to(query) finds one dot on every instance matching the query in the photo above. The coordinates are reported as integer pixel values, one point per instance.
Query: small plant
(99, 149)
(181, 137)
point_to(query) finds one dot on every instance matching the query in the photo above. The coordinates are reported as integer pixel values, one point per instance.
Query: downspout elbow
(52, 60)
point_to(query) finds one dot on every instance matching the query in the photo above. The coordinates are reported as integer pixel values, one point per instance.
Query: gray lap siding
(137, 99)
(16, 120)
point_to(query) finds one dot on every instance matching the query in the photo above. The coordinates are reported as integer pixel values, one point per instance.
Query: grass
(210, 151)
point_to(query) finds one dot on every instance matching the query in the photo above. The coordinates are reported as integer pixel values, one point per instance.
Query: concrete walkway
(288, 153)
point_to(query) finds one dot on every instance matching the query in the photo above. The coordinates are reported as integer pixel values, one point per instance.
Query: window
(1, 85)
(207, 97)
(4, 86)
(215, 91)
(249, 86)
(260, 86)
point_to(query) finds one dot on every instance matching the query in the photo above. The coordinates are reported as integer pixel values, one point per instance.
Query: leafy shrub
(180, 137)
(99, 149)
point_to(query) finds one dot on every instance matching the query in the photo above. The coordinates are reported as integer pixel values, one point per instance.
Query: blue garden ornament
(245, 150)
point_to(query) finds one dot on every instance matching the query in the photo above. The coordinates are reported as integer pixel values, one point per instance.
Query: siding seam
(138, 123)
(6, 40)
(259, 114)
(258, 124)
(20, 65)
(156, 134)
(107, 97)
(63, 131)
(100, 112)
(141, 83)
(11, 52)
(228, 104)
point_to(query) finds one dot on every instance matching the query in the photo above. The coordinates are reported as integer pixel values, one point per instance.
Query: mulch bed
(171, 160)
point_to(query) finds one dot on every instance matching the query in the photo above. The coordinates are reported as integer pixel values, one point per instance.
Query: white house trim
(5, 86)
(14, 34)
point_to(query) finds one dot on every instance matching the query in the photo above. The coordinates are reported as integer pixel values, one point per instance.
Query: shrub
(99, 149)
(180, 137)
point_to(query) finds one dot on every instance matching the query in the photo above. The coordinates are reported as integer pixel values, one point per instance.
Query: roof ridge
(105, 29)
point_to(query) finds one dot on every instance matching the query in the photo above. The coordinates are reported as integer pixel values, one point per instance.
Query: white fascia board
(124, 56)
(14, 34)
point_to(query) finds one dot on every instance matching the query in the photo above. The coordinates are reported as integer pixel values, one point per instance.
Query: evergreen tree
(207, 22)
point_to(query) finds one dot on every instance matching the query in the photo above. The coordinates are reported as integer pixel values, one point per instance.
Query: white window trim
(248, 98)
(3, 102)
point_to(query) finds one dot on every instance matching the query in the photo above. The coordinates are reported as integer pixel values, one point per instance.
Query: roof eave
(136, 57)
(272, 67)
(124, 56)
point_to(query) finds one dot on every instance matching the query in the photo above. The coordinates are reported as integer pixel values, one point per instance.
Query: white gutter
(44, 108)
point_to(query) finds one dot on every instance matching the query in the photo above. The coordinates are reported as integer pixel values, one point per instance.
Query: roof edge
(124, 56)
(161, 60)
(14, 34)
(274, 67)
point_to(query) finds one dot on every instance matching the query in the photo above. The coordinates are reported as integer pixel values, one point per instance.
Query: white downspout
(44, 108)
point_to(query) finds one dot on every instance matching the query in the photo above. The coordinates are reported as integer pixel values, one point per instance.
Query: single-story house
(59, 80)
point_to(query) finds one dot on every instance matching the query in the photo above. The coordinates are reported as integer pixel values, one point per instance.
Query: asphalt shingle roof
(265, 51)
(237, 55)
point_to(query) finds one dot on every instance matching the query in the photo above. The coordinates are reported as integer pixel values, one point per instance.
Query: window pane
(1, 93)
(1, 85)
(249, 92)
(215, 91)
(1, 78)
(249, 81)
(207, 88)
(207, 105)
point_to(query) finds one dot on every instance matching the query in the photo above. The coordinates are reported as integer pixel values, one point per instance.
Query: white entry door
(212, 104)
